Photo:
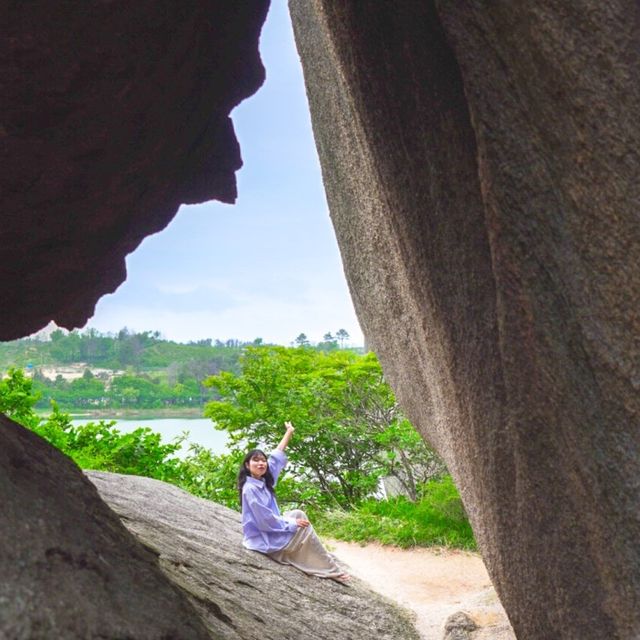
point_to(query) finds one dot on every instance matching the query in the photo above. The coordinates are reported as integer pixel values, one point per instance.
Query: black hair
(243, 473)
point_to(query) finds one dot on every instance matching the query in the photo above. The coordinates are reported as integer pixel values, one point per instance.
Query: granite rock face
(70, 569)
(459, 626)
(481, 167)
(241, 594)
(112, 115)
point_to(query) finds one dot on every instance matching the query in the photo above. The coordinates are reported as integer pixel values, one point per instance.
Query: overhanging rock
(112, 115)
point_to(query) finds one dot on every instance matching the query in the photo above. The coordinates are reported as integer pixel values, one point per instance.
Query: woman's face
(257, 466)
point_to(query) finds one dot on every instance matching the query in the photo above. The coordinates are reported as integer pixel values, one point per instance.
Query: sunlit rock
(241, 594)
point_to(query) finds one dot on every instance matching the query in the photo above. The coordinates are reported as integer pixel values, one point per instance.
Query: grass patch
(437, 519)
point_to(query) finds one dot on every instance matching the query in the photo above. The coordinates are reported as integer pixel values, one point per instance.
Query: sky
(267, 267)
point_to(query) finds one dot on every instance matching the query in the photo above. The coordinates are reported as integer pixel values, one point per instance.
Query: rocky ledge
(241, 594)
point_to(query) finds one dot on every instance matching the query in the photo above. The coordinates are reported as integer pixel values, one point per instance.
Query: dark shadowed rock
(69, 570)
(242, 594)
(481, 167)
(112, 114)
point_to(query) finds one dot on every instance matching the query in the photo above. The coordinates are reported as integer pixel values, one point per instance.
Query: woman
(289, 538)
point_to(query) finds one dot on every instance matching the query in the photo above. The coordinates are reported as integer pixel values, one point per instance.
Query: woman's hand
(287, 436)
(301, 522)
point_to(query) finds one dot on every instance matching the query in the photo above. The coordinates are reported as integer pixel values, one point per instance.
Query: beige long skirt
(306, 552)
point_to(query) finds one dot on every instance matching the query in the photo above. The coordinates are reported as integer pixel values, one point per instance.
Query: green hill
(88, 371)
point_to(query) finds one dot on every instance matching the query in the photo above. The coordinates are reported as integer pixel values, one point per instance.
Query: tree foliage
(348, 425)
(138, 370)
(101, 446)
(122, 351)
(17, 399)
(95, 445)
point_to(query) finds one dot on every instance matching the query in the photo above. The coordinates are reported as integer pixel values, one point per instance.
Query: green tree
(100, 446)
(302, 340)
(211, 476)
(342, 336)
(86, 391)
(17, 399)
(329, 343)
(408, 458)
(65, 348)
(345, 415)
(96, 445)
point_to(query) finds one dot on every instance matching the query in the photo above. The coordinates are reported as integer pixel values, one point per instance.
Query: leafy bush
(211, 476)
(438, 518)
(100, 446)
(95, 445)
(17, 398)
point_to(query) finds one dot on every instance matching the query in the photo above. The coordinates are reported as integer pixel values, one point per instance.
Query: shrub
(437, 519)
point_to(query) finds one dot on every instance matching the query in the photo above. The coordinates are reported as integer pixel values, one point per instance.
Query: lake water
(200, 430)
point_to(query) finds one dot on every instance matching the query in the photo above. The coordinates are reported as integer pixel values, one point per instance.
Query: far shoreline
(80, 413)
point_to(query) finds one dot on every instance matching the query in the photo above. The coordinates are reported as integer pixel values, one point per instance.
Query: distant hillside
(90, 371)
(140, 351)
(93, 371)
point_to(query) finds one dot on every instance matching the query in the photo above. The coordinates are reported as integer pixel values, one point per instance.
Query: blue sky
(265, 267)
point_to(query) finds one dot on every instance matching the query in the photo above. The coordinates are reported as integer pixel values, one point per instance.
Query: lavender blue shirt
(264, 528)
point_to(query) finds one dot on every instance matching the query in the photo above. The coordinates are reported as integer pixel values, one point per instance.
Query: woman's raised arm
(287, 436)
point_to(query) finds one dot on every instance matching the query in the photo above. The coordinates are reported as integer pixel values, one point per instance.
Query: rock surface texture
(240, 594)
(112, 115)
(70, 570)
(481, 166)
(477, 623)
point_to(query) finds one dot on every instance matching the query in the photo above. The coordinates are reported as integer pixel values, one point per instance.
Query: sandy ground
(431, 583)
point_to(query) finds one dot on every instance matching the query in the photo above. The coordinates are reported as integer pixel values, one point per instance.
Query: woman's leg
(306, 552)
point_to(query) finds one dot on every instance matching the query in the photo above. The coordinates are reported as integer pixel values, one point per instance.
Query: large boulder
(69, 568)
(241, 594)
(481, 166)
(175, 569)
(112, 115)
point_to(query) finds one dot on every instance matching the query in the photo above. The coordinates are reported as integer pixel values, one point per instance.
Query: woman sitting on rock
(289, 538)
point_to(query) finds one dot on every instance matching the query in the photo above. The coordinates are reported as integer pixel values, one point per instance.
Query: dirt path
(431, 583)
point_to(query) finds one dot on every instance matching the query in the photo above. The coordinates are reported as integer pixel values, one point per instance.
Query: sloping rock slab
(240, 593)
